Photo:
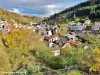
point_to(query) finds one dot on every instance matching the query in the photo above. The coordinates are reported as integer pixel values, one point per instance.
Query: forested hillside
(89, 9)
(10, 17)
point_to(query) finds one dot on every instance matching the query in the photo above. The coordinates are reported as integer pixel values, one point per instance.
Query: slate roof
(96, 26)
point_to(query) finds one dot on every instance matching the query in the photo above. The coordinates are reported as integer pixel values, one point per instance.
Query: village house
(19, 26)
(44, 29)
(24, 26)
(77, 27)
(30, 27)
(41, 31)
(55, 28)
(83, 37)
(61, 41)
(96, 27)
(44, 26)
(57, 43)
(47, 40)
(16, 25)
(31, 23)
(1, 25)
(70, 36)
(56, 52)
(87, 22)
(8, 28)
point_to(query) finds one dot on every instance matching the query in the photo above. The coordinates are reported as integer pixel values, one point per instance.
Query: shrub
(74, 73)
(96, 61)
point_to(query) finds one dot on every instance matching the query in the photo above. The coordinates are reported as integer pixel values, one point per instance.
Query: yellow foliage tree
(96, 58)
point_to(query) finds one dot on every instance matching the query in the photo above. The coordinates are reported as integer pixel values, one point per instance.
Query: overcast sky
(43, 8)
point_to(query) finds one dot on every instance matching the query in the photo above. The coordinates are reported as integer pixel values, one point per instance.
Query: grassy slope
(6, 15)
(4, 62)
(21, 53)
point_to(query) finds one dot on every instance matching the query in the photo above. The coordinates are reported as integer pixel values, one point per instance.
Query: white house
(88, 22)
(42, 31)
(51, 45)
(74, 38)
(16, 25)
(56, 52)
(2, 23)
(55, 38)
(49, 33)
(96, 26)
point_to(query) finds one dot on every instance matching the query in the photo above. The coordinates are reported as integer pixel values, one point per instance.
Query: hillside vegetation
(22, 51)
(89, 9)
(13, 17)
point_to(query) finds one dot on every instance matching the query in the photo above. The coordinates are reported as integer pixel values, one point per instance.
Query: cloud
(46, 6)
(51, 6)
(50, 9)
(35, 7)
(14, 3)
(15, 10)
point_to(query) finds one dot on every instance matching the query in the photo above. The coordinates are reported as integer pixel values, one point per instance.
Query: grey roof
(76, 27)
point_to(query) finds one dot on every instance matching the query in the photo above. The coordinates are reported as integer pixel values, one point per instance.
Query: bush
(74, 73)
(57, 63)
